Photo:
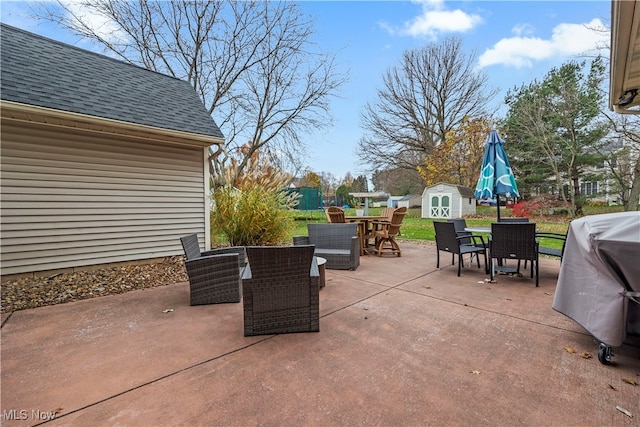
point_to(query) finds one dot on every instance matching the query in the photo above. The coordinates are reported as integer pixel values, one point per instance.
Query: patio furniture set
(280, 285)
(382, 229)
(509, 239)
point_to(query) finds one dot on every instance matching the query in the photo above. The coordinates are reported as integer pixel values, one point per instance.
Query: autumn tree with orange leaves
(458, 159)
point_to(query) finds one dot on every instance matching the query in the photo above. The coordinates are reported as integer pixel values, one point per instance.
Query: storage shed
(102, 161)
(392, 201)
(444, 200)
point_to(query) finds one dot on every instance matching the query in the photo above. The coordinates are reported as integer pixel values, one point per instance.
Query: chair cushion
(322, 251)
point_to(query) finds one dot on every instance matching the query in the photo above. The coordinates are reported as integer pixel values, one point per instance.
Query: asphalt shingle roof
(39, 71)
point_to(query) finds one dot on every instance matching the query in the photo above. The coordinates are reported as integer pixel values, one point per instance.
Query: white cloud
(441, 21)
(566, 40)
(435, 19)
(523, 30)
(98, 23)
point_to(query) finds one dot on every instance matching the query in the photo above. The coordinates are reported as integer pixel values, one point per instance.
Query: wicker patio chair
(214, 276)
(448, 241)
(516, 241)
(514, 219)
(385, 235)
(339, 244)
(280, 289)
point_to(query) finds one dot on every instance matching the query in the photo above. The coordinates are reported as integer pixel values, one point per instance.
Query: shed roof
(463, 190)
(370, 194)
(42, 72)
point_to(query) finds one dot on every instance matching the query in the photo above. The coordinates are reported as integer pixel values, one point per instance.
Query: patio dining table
(478, 229)
(364, 230)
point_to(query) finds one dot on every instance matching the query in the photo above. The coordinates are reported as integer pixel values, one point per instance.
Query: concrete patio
(401, 343)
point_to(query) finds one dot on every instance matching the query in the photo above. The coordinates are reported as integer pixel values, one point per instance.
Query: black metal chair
(515, 241)
(280, 289)
(214, 276)
(544, 237)
(447, 240)
(460, 225)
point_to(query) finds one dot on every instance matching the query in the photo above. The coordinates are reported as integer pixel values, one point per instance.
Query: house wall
(73, 197)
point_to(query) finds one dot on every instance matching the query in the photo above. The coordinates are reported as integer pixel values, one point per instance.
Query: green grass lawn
(416, 228)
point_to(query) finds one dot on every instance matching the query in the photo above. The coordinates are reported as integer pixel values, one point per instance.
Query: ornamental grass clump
(252, 216)
(253, 208)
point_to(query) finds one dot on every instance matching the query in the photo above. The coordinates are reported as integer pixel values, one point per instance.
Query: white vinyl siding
(73, 198)
(457, 207)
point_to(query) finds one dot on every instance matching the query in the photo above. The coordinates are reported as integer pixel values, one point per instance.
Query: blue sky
(515, 41)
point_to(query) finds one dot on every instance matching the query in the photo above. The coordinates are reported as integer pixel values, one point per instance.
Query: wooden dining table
(365, 232)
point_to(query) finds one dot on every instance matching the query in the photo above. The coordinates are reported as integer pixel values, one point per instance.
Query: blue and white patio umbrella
(496, 177)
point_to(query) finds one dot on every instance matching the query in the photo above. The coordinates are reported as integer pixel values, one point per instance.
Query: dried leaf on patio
(612, 388)
(475, 372)
(630, 381)
(624, 411)
(168, 310)
(585, 356)
(570, 350)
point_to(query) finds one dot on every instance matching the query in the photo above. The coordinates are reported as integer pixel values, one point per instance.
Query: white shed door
(440, 206)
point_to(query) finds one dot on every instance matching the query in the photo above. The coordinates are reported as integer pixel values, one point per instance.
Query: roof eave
(625, 25)
(35, 114)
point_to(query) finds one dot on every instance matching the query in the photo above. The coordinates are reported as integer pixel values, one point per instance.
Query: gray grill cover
(599, 281)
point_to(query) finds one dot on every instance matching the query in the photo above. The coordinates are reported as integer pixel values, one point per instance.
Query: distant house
(444, 200)
(392, 201)
(410, 201)
(102, 161)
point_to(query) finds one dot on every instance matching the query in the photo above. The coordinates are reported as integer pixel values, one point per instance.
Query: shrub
(253, 216)
(540, 205)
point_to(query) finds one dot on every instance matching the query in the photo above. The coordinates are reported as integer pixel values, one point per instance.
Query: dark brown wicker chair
(447, 240)
(514, 219)
(280, 289)
(214, 276)
(516, 241)
(339, 244)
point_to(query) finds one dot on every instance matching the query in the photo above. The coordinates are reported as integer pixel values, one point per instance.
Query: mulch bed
(35, 292)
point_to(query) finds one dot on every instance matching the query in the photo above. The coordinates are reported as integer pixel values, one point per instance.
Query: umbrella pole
(498, 205)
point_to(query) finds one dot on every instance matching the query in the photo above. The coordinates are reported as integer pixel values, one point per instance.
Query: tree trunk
(577, 198)
(634, 194)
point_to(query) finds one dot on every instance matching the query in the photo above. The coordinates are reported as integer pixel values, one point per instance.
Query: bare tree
(422, 99)
(252, 63)
(622, 151)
